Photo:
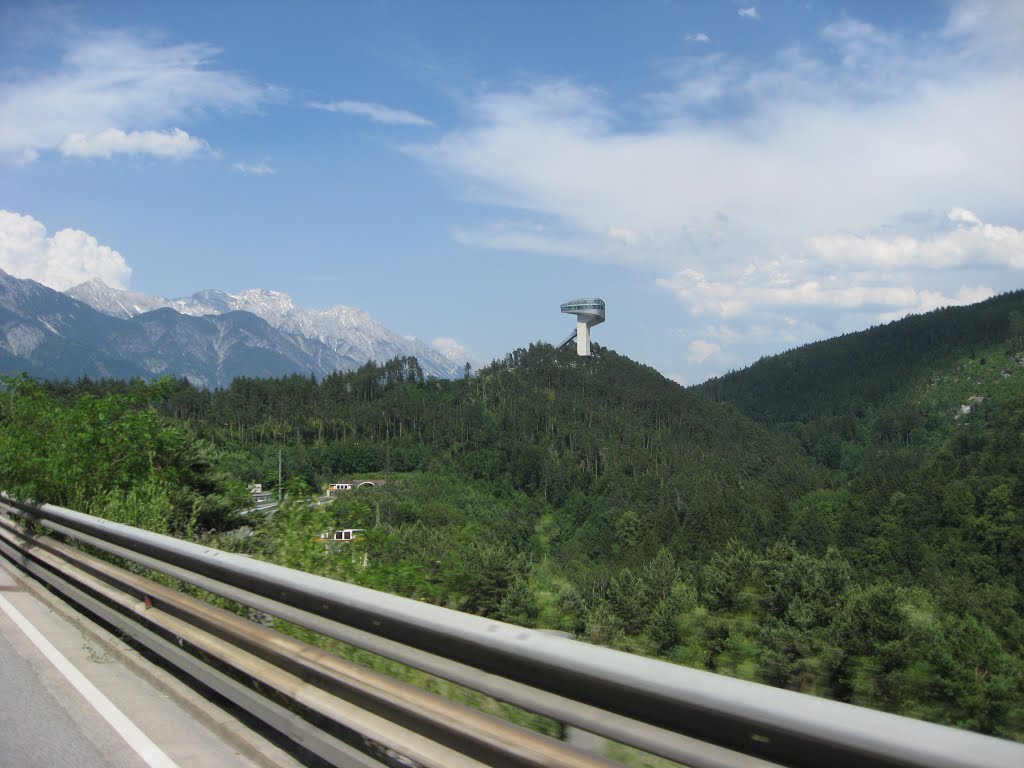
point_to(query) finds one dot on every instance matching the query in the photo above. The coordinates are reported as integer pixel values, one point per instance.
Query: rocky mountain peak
(114, 301)
(347, 331)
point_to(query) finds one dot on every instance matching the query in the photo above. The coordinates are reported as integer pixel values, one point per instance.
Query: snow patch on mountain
(21, 339)
(111, 301)
(348, 331)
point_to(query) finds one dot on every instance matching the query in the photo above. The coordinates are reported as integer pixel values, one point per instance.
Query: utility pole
(279, 475)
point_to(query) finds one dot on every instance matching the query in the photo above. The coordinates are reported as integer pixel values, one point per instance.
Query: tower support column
(582, 339)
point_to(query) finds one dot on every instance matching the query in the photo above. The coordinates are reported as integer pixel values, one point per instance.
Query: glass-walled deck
(583, 305)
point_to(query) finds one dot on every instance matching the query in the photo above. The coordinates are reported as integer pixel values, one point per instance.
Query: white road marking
(126, 729)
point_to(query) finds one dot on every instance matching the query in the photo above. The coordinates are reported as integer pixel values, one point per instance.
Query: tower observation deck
(589, 312)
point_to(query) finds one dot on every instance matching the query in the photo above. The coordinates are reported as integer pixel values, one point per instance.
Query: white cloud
(118, 80)
(113, 141)
(522, 237)
(805, 157)
(742, 295)
(451, 349)
(701, 350)
(786, 330)
(697, 37)
(929, 300)
(724, 333)
(970, 243)
(623, 235)
(843, 282)
(68, 258)
(700, 82)
(963, 216)
(748, 13)
(692, 190)
(26, 156)
(255, 169)
(990, 27)
(378, 113)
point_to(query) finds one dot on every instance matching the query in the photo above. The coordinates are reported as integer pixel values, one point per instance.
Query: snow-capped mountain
(111, 301)
(348, 331)
(50, 335)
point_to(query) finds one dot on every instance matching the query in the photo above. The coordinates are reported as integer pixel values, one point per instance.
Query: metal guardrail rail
(350, 715)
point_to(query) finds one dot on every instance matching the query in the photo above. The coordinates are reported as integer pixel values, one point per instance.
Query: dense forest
(846, 519)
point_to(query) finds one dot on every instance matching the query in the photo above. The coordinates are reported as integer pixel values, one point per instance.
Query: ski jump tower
(589, 312)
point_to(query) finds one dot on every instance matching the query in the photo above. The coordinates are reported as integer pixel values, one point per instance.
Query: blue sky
(734, 179)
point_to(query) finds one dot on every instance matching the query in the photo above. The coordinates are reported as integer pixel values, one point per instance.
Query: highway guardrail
(349, 714)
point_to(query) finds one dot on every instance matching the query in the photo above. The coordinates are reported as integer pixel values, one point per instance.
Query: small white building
(344, 536)
(259, 496)
(333, 489)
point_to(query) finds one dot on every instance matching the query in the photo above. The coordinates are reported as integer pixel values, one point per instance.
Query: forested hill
(846, 373)
(873, 555)
(566, 430)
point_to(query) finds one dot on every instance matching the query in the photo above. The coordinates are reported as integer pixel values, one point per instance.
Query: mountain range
(209, 338)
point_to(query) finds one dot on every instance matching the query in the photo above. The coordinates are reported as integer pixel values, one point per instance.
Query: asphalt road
(70, 695)
(37, 728)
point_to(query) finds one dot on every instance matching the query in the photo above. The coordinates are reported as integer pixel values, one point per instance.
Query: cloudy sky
(734, 179)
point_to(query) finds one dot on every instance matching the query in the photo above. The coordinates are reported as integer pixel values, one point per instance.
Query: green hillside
(868, 551)
(586, 440)
(921, 424)
(842, 375)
